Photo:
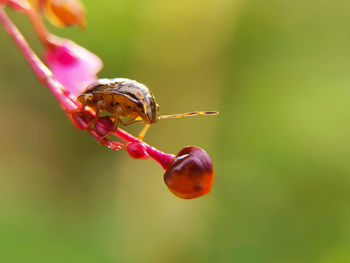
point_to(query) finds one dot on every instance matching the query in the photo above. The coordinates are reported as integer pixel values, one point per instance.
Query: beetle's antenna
(188, 114)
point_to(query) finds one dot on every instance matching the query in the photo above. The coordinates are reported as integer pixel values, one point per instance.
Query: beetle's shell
(132, 97)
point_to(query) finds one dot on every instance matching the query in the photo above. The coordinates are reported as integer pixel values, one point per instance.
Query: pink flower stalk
(188, 175)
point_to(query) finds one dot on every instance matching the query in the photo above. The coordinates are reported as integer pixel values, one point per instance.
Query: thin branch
(47, 78)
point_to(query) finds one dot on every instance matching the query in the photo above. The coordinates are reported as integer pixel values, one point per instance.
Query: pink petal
(17, 5)
(74, 66)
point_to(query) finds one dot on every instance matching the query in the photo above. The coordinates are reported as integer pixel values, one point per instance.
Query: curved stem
(68, 104)
(43, 73)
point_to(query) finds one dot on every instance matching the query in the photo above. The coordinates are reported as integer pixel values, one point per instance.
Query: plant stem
(43, 73)
(47, 78)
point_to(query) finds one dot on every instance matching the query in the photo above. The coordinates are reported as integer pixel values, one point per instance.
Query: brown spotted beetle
(126, 99)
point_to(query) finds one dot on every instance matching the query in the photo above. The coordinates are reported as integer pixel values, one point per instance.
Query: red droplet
(191, 173)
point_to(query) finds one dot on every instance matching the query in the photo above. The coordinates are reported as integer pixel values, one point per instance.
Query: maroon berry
(191, 173)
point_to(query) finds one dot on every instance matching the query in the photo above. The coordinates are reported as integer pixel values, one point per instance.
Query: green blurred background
(278, 72)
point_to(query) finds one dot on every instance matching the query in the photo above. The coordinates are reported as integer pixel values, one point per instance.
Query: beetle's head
(151, 109)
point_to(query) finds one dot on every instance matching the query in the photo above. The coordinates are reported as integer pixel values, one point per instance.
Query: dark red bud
(137, 150)
(81, 119)
(103, 125)
(191, 173)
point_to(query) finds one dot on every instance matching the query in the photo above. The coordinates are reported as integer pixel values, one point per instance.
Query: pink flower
(73, 66)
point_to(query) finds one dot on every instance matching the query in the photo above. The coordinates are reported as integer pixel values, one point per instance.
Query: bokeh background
(278, 72)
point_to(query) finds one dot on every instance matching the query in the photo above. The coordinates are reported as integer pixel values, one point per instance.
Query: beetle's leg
(98, 113)
(143, 132)
(115, 124)
(132, 119)
(78, 110)
(128, 122)
(84, 104)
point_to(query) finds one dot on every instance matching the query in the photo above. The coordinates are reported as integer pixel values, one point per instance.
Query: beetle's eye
(139, 104)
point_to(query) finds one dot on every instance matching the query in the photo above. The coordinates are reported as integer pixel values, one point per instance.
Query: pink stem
(46, 77)
(38, 25)
(43, 73)
(164, 159)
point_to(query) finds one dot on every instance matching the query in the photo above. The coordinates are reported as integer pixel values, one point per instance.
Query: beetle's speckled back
(131, 97)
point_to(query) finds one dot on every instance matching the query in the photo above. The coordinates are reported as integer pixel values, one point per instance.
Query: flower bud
(103, 125)
(81, 119)
(137, 150)
(65, 13)
(191, 173)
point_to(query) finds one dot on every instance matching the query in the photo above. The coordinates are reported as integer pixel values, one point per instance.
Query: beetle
(126, 99)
